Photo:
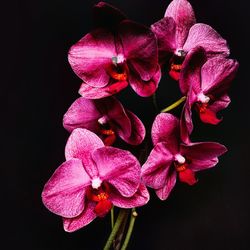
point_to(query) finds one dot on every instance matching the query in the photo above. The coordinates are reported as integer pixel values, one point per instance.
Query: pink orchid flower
(105, 117)
(109, 58)
(91, 180)
(178, 33)
(170, 157)
(206, 83)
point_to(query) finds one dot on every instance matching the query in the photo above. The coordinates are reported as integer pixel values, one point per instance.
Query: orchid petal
(106, 15)
(221, 103)
(64, 193)
(91, 55)
(87, 216)
(119, 168)
(203, 150)
(157, 167)
(190, 76)
(145, 88)
(166, 129)
(81, 144)
(137, 132)
(182, 13)
(165, 32)
(198, 165)
(140, 198)
(217, 74)
(140, 48)
(82, 114)
(169, 184)
(205, 36)
(97, 93)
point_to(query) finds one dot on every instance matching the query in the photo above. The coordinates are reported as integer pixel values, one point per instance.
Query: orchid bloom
(205, 83)
(105, 117)
(91, 180)
(109, 58)
(178, 33)
(171, 158)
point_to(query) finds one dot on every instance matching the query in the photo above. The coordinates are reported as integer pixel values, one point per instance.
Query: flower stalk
(174, 105)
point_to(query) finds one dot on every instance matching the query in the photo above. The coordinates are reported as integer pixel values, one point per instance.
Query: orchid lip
(96, 182)
(203, 98)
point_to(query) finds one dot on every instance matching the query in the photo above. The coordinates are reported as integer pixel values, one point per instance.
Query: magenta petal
(116, 115)
(81, 144)
(190, 75)
(87, 216)
(140, 48)
(106, 15)
(217, 74)
(165, 32)
(186, 123)
(221, 103)
(205, 36)
(64, 193)
(118, 167)
(137, 132)
(166, 129)
(182, 13)
(157, 167)
(198, 165)
(82, 114)
(145, 88)
(164, 192)
(140, 198)
(91, 55)
(97, 93)
(203, 150)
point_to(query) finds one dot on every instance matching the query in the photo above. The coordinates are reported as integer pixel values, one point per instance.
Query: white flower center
(202, 98)
(96, 182)
(180, 52)
(103, 120)
(118, 59)
(179, 158)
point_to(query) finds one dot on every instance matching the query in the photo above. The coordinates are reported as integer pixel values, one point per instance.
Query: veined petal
(182, 13)
(190, 75)
(87, 216)
(145, 88)
(116, 114)
(82, 114)
(203, 150)
(164, 192)
(138, 131)
(166, 129)
(205, 36)
(119, 168)
(64, 193)
(165, 30)
(96, 93)
(156, 169)
(140, 48)
(81, 145)
(221, 103)
(90, 57)
(217, 74)
(198, 165)
(140, 198)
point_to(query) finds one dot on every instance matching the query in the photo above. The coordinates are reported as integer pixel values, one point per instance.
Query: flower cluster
(119, 52)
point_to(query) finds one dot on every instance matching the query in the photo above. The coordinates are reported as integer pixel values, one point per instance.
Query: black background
(40, 86)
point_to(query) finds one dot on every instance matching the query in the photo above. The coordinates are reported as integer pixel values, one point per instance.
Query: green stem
(119, 220)
(130, 229)
(112, 217)
(174, 105)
